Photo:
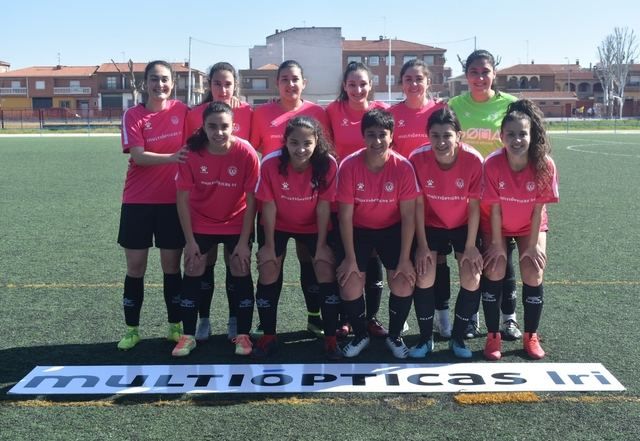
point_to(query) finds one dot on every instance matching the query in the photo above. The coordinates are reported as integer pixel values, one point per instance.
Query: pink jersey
(241, 120)
(157, 132)
(294, 196)
(346, 126)
(376, 196)
(517, 193)
(447, 192)
(217, 186)
(270, 121)
(410, 129)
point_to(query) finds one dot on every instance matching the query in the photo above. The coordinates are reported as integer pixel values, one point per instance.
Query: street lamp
(568, 86)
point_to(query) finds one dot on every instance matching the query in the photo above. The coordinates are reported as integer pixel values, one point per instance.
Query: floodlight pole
(189, 78)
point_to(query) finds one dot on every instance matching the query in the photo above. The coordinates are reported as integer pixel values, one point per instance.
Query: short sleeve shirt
(410, 128)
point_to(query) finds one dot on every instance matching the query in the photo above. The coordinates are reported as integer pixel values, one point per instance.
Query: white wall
(319, 52)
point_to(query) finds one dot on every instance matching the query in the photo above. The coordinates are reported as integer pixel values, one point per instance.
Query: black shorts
(207, 241)
(385, 241)
(442, 239)
(142, 224)
(281, 238)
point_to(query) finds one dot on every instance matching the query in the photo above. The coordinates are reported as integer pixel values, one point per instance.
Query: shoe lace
(534, 340)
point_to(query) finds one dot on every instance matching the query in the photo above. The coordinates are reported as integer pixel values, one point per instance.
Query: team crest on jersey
(501, 185)
(285, 186)
(430, 183)
(273, 123)
(203, 169)
(360, 186)
(388, 186)
(175, 120)
(401, 123)
(233, 170)
(345, 122)
(531, 186)
(460, 183)
(147, 125)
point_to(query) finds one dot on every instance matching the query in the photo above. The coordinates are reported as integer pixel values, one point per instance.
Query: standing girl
(481, 111)
(216, 205)
(223, 87)
(153, 135)
(377, 193)
(345, 115)
(447, 215)
(267, 129)
(520, 179)
(411, 115)
(296, 188)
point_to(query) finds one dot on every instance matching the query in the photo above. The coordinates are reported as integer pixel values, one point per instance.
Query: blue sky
(34, 32)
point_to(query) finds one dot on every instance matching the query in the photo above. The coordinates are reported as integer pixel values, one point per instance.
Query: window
(74, 83)
(354, 58)
(430, 60)
(40, 85)
(15, 84)
(65, 104)
(391, 80)
(543, 103)
(408, 58)
(634, 80)
(259, 83)
(374, 60)
(390, 61)
(556, 103)
(376, 80)
(112, 82)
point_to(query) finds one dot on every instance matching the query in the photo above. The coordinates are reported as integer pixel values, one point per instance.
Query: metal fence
(60, 118)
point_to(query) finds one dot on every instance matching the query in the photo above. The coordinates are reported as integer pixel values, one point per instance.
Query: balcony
(75, 90)
(13, 90)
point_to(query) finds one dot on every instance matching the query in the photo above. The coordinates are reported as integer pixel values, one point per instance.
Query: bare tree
(135, 86)
(617, 51)
(604, 71)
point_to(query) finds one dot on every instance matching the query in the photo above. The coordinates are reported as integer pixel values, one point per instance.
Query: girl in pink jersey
(296, 188)
(153, 135)
(216, 205)
(377, 193)
(345, 115)
(450, 176)
(223, 87)
(519, 179)
(411, 115)
(267, 130)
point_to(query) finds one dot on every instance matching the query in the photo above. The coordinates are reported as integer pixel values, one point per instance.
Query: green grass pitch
(60, 303)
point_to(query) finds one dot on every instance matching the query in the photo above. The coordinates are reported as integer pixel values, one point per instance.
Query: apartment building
(87, 87)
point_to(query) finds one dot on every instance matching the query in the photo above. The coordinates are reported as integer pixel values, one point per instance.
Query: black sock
(329, 292)
(442, 286)
(206, 292)
(230, 289)
(399, 308)
(189, 303)
(172, 296)
(373, 286)
(532, 299)
(355, 311)
(267, 304)
(132, 299)
(310, 287)
(245, 300)
(467, 304)
(424, 306)
(491, 304)
(508, 304)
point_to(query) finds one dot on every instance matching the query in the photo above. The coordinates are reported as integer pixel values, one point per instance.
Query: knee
(325, 273)
(401, 286)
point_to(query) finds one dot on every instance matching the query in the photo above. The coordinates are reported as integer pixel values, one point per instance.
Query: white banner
(303, 378)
